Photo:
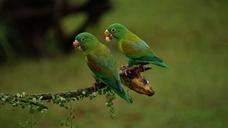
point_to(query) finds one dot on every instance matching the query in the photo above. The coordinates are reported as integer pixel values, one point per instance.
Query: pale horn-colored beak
(107, 35)
(76, 44)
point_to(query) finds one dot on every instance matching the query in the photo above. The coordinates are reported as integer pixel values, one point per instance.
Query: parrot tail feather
(120, 91)
(159, 62)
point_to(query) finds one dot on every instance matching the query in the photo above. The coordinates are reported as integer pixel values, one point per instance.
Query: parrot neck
(90, 47)
(127, 36)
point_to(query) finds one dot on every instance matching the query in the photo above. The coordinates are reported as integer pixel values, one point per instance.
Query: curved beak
(76, 44)
(107, 35)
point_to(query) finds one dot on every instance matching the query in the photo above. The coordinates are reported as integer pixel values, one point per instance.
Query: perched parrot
(132, 46)
(101, 62)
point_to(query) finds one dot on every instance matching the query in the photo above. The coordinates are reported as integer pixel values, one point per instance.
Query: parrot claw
(98, 82)
(124, 70)
(124, 67)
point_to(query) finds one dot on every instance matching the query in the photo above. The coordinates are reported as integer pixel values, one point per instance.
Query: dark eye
(83, 39)
(113, 29)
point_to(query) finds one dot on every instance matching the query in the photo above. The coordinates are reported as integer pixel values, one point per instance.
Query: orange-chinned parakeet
(132, 46)
(101, 62)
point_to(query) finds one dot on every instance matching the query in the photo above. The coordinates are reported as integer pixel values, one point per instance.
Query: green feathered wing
(139, 52)
(103, 65)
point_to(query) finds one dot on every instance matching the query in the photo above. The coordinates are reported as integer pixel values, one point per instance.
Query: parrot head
(85, 41)
(115, 30)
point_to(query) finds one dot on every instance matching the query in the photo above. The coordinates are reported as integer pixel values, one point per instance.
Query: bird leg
(97, 83)
(125, 70)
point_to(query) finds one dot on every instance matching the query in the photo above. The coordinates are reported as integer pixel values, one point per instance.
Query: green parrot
(132, 46)
(101, 62)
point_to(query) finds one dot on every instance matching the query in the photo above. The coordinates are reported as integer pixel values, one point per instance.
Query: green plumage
(101, 62)
(133, 47)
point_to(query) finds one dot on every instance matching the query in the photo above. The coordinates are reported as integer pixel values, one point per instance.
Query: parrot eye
(113, 29)
(83, 39)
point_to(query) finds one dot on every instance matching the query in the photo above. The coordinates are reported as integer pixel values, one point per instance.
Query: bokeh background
(190, 35)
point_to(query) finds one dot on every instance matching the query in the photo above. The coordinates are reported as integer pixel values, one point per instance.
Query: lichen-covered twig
(131, 73)
(127, 75)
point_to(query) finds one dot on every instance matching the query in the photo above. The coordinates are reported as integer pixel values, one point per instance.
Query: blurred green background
(190, 35)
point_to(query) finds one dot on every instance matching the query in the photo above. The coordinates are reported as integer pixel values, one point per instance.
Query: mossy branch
(33, 100)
